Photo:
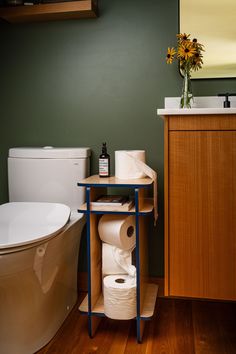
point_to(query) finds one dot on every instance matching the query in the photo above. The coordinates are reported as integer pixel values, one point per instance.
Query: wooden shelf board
(50, 11)
(148, 307)
(149, 301)
(146, 208)
(96, 181)
(98, 308)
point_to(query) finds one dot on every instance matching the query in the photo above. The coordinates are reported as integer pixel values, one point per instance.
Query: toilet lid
(24, 223)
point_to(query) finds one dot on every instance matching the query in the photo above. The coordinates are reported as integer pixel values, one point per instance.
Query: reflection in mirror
(213, 23)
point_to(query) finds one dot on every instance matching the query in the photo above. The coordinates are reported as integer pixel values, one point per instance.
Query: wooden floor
(178, 327)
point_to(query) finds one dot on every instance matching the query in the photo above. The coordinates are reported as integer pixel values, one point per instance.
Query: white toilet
(40, 232)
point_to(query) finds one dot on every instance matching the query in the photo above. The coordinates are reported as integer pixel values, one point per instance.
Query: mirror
(213, 23)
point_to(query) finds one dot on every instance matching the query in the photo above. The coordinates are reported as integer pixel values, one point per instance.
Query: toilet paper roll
(125, 164)
(118, 230)
(134, 157)
(116, 261)
(119, 297)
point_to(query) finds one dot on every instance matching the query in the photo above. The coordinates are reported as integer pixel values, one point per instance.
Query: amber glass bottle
(104, 162)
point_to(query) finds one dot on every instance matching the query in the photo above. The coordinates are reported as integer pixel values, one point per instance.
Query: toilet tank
(48, 174)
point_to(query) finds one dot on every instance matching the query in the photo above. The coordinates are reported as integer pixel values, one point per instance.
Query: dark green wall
(82, 82)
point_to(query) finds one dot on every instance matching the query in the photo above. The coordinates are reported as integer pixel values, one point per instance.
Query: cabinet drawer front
(202, 214)
(202, 122)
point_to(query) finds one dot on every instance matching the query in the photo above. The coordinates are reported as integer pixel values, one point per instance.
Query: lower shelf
(148, 306)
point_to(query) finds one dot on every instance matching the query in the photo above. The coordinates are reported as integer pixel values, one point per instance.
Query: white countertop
(202, 106)
(195, 111)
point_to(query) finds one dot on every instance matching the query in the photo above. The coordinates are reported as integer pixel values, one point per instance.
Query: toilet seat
(26, 223)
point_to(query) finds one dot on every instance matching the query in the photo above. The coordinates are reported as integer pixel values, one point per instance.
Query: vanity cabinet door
(201, 232)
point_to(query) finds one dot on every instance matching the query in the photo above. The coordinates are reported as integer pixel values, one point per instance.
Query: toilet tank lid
(50, 152)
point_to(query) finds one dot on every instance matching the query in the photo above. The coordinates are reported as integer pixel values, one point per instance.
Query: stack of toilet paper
(119, 275)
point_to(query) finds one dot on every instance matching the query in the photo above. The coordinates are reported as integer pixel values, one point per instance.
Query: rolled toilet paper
(119, 297)
(118, 230)
(125, 164)
(116, 261)
(131, 164)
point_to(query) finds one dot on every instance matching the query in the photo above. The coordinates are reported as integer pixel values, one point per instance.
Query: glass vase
(186, 100)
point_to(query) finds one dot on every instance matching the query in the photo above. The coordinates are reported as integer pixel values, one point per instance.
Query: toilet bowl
(39, 247)
(22, 224)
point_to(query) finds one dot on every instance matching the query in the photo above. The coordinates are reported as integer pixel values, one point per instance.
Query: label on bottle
(103, 167)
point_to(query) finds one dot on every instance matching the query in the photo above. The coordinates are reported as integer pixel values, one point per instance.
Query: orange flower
(183, 37)
(197, 61)
(186, 50)
(170, 55)
(197, 45)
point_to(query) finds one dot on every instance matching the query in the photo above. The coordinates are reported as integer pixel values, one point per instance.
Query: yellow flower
(197, 61)
(170, 55)
(186, 50)
(183, 37)
(197, 45)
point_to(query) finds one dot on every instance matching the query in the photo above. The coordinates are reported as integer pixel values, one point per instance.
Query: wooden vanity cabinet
(200, 206)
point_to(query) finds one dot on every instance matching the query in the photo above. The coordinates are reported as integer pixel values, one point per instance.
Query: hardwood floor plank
(163, 328)
(120, 338)
(110, 338)
(226, 315)
(133, 347)
(178, 327)
(216, 332)
(183, 326)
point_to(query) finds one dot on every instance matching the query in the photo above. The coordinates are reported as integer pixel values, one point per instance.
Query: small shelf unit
(146, 293)
(50, 11)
